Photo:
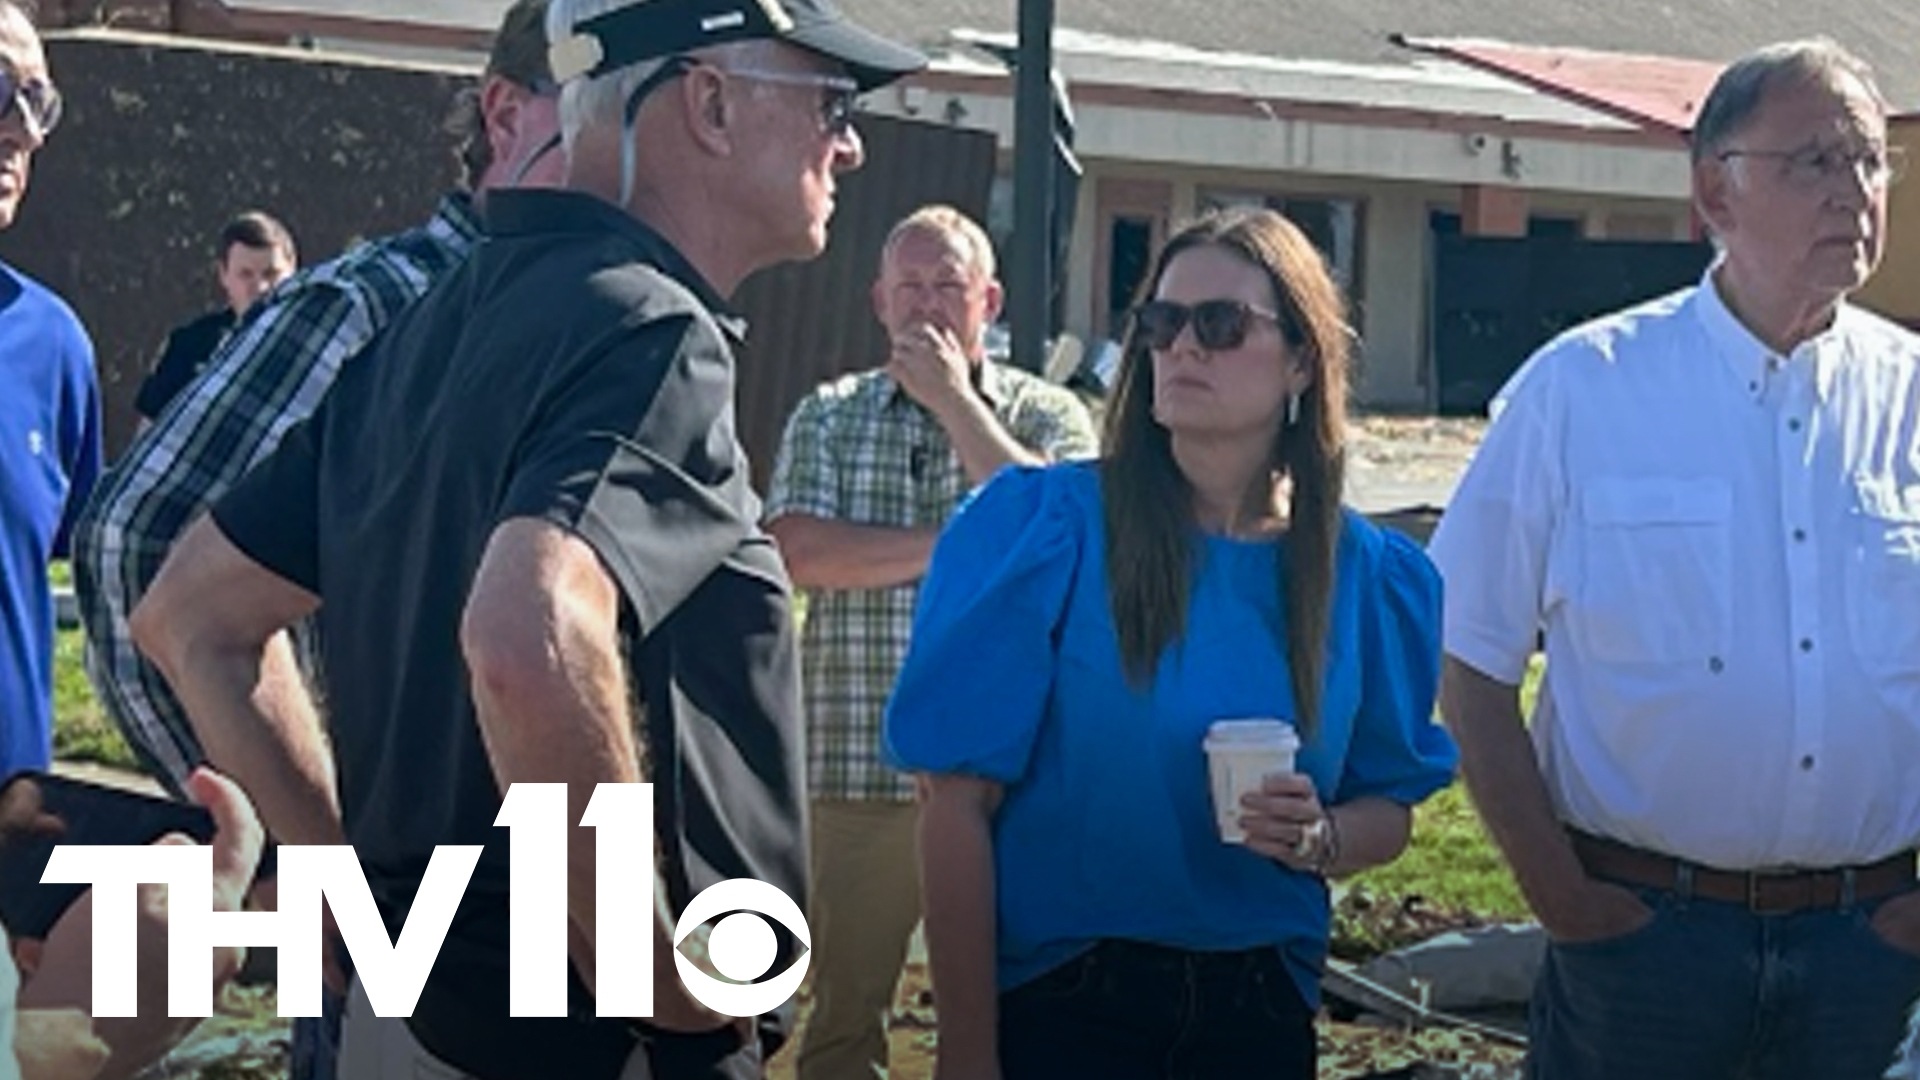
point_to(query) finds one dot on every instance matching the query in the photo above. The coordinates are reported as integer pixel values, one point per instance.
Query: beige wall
(1895, 289)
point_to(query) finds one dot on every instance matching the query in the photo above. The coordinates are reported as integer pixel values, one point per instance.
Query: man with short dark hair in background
(255, 252)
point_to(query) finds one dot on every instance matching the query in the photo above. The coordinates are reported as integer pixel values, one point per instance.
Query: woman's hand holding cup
(1284, 821)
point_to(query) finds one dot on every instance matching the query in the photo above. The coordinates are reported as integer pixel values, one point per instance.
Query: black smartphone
(40, 810)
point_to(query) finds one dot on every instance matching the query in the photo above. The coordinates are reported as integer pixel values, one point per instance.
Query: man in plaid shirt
(270, 374)
(870, 468)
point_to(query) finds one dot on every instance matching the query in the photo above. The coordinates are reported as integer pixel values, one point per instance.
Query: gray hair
(1738, 92)
(592, 102)
(601, 102)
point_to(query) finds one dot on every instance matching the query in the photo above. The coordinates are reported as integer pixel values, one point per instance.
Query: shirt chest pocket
(1883, 577)
(1656, 570)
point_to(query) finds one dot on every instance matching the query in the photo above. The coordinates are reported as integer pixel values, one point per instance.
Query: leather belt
(1763, 892)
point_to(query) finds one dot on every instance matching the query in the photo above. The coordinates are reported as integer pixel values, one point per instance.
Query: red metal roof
(1660, 92)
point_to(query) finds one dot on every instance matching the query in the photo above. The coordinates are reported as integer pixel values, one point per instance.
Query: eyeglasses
(36, 100)
(839, 98)
(839, 101)
(1217, 324)
(1812, 166)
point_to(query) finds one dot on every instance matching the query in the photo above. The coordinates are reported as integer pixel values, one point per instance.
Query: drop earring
(1293, 409)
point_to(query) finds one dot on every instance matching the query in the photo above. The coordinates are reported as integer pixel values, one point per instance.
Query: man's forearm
(257, 723)
(214, 623)
(1497, 760)
(982, 443)
(541, 639)
(824, 553)
(577, 733)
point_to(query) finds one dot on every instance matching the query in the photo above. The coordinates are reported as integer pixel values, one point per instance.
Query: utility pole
(1033, 162)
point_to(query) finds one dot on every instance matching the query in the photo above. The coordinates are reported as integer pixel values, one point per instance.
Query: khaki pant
(865, 904)
(381, 1048)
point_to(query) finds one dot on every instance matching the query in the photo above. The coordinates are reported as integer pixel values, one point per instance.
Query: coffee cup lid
(1253, 731)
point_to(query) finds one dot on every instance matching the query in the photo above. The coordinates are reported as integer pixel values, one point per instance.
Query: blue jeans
(1132, 1011)
(1711, 991)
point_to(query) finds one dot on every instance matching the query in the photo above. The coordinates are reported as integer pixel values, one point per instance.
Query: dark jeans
(1710, 991)
(315, 1052)
(715, 1055)
(1131, 1011)
(316, 1040)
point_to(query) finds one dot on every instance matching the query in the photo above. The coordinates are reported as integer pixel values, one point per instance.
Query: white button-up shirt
(1722, 547)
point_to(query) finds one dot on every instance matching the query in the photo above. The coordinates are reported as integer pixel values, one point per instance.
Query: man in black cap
(531, 529)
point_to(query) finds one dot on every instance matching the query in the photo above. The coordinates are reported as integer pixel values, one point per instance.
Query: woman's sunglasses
(1217, 324)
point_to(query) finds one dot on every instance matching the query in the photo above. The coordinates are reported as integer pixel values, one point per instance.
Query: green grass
(1451, 862)
(81, 729)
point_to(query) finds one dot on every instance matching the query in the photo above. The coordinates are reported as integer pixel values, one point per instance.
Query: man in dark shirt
(531, 529)
(255, 253)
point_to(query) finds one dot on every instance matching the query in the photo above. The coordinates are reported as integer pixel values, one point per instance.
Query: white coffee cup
(1240, 755)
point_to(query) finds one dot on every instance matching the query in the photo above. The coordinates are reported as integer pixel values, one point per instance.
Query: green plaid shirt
(860, 450)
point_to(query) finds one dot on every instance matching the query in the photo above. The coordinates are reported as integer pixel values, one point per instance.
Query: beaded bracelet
(1328, 846)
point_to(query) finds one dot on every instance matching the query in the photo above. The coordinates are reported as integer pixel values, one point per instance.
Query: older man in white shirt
(1710, 505)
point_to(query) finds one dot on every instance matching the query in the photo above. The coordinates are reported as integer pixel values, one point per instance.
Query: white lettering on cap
(723, 22)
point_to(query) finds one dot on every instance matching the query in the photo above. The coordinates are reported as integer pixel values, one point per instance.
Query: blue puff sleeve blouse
(1106, 829)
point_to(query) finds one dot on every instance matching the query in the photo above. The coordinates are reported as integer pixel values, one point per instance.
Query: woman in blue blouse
(1080, 629)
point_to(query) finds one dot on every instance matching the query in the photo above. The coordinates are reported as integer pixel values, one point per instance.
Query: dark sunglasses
(1217, 324)
(839, 95)
(34, 99)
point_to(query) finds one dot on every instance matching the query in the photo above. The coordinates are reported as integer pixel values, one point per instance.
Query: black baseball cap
(650, 29)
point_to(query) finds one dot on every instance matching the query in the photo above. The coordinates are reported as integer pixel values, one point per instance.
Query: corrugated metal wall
(811, 321)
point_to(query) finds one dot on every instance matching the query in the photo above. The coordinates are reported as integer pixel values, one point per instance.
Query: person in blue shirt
(1080, 629)
(49, 419)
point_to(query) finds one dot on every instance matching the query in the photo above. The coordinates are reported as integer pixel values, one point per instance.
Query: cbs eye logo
(742, 947)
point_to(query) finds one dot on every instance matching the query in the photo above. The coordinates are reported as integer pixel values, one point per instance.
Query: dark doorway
(1497, 300)
(1130, 247)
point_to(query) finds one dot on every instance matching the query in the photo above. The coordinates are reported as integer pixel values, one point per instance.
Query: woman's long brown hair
(1152, 546)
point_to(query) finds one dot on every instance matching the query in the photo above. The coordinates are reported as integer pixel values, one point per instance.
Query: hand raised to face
(930, 365)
